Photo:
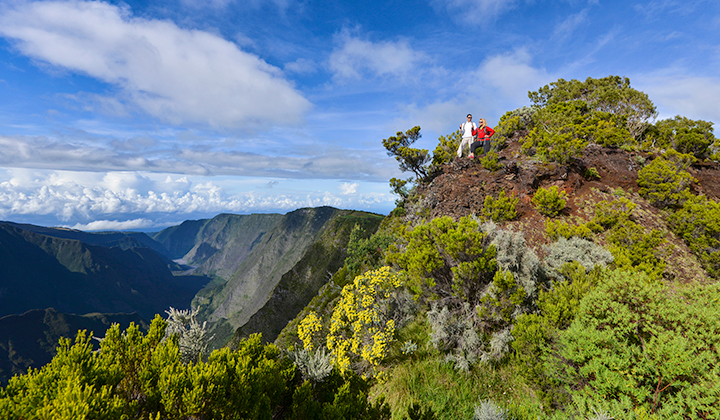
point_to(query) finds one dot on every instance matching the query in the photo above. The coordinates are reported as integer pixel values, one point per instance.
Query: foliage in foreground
(136, 376)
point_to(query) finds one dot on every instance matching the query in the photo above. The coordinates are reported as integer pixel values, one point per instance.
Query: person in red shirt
(483, 134)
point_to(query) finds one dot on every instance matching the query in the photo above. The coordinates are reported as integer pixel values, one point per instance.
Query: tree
(611, 94)
(682, 134)
(411, 159)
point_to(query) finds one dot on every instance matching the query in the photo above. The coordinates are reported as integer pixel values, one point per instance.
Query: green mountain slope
(263, 260)
(31, 339)
(38, 271)
(123, 240)
(300, 284)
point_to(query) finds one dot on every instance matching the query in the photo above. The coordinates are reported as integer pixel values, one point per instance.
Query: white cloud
(114, 225)
(692, 97)
(327, 163)
(301, 66)
(500, 83)
(512, 75)
(348, 188)
(439, 117)
(356, 57)
(96, 201)
(474, 10)
(174, 74)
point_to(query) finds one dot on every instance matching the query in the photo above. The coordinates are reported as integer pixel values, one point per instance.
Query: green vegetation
(698, 223)
(459, 318)
(500, 209)
(683, 135)
(410, 159)
(665, 182)
(549, 201)
(136, 376)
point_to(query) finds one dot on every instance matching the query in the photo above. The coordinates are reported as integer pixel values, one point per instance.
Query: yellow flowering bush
(308, 329)
(361, 328)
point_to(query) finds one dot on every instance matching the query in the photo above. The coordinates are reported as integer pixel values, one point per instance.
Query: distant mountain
(248, 256)
(302, 282)
(231, 304)
(219, 245)
(43, 270)
(123, 240)
(31, 339)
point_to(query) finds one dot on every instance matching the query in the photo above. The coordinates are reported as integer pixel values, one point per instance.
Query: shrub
(665, 182)
(193, 338)
(584, 252)
(549, 202)
(488, 410)
(520, 119)
(309, 329)
(698, 223)
(682, 134)
(535, 333)
(612, 95)
(636, 344)
(315, 366)
(445, 258)
(633, 248)
(362, 327)
(490, 161)
(609, 213)
(514, 256)
(445, 150)
(366, 253)
(500, 209)
(136, 376)
(556, 229)
(455, 333)
(337, 397)
(502, 302)
(410, 159)
(556, 136)
(592, 173)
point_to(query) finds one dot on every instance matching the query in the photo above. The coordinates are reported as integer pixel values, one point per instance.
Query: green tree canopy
(611, 94)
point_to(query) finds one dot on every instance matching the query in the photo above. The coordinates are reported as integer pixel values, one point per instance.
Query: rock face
(300, 284)
(461, 187)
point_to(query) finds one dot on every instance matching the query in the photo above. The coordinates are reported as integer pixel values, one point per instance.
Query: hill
(249, 255)
(30, 339)
(76, 277)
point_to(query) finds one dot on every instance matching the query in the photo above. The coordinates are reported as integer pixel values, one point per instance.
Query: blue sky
(139, 115)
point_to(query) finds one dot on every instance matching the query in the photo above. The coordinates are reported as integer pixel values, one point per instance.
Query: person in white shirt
(466, 129)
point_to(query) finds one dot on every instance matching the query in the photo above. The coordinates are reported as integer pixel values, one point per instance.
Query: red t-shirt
(484, 134)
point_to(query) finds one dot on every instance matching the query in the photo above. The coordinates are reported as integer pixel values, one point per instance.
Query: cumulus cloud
(131, 201)
(348, 188)
(512, 75)
(176, 75)
(114, 225)
(506, 78)
(355, 57)
(301, 66)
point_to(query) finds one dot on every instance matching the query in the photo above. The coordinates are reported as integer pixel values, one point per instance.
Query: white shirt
(467, 127)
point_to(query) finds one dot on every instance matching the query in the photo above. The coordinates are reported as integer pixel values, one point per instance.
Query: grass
(425, 378)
